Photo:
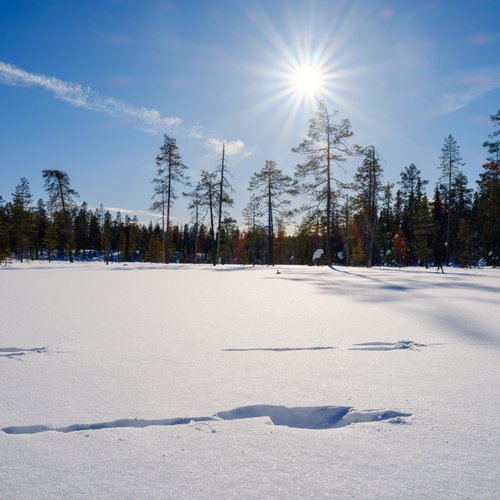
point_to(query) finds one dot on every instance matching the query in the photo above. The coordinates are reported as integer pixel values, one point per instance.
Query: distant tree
(82, 227)
(368, 182)
(224, 197)
(170, 171)
(488, 197)
(207, 188)
(58, 187)
(50, 239)
(272, 187)
(252, 214)
(412, 191)
(423, 230)
(195, 208)
(22, 217)
(387, 225)
(439, 236)
(325, 146)
(5, 251)
(41, 224)
(450, 163)
(106, 237)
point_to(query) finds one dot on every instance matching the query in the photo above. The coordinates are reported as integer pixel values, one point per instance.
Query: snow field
(157, 343)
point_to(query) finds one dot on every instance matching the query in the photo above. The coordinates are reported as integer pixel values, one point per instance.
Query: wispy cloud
(143, 216)
(232, 148)
(235, 148)
(147, 119)
(466, 87)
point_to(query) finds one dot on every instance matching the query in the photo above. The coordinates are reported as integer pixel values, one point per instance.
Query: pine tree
(170, 171)
(273, 187)
(207, 188)
(450, 163)
(224, 198)
(326, 146)
(58, 187)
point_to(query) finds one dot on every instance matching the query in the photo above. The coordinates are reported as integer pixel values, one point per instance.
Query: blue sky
(90, 87)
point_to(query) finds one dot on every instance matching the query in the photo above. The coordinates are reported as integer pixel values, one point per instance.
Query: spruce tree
(368, 185)
(450, 163)
(22, 217)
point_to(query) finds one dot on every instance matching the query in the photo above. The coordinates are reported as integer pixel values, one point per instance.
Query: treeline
(364, 222)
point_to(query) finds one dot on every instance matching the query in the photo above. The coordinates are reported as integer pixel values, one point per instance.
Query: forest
(365, 222)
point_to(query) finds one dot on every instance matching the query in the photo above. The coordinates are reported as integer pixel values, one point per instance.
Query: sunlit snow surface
(154, 381)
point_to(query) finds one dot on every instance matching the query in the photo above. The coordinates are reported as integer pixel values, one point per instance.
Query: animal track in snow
(315, 417)
(17, 352)
(281, 349)
(387, 346)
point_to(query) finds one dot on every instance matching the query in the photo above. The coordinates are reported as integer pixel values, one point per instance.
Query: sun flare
(307, 81)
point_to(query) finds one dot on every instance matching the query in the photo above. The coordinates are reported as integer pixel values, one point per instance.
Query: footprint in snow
(18, 353)
(388, 346)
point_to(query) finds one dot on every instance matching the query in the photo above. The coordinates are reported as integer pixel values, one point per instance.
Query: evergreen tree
(368, 179)
(326, 146)
(22, 217)
(207, 188)
(450, 163)
(412, 191)
(4, 233)
(82, 227)
(223, 197)
(251, 217)
(439, 232)
(272, 187)
(170, 171)
(387, 225)
(423, 231)
(488, 198)
(50, 239)
(41, 223)
(58, 187)
(106, 237)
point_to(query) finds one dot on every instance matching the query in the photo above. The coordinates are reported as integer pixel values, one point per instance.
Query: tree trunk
(270, 223)
(221, 194)
(328, 193)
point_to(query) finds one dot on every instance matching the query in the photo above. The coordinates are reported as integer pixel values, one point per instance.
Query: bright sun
(307, 81)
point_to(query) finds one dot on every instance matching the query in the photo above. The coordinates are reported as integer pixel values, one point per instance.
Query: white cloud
(232, 148)
(147, 119)
(466, 87)
(235, 148)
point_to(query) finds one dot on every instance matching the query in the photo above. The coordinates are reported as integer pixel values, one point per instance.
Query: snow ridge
(315, 417)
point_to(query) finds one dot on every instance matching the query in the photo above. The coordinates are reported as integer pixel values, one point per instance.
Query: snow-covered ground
(154, 381)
